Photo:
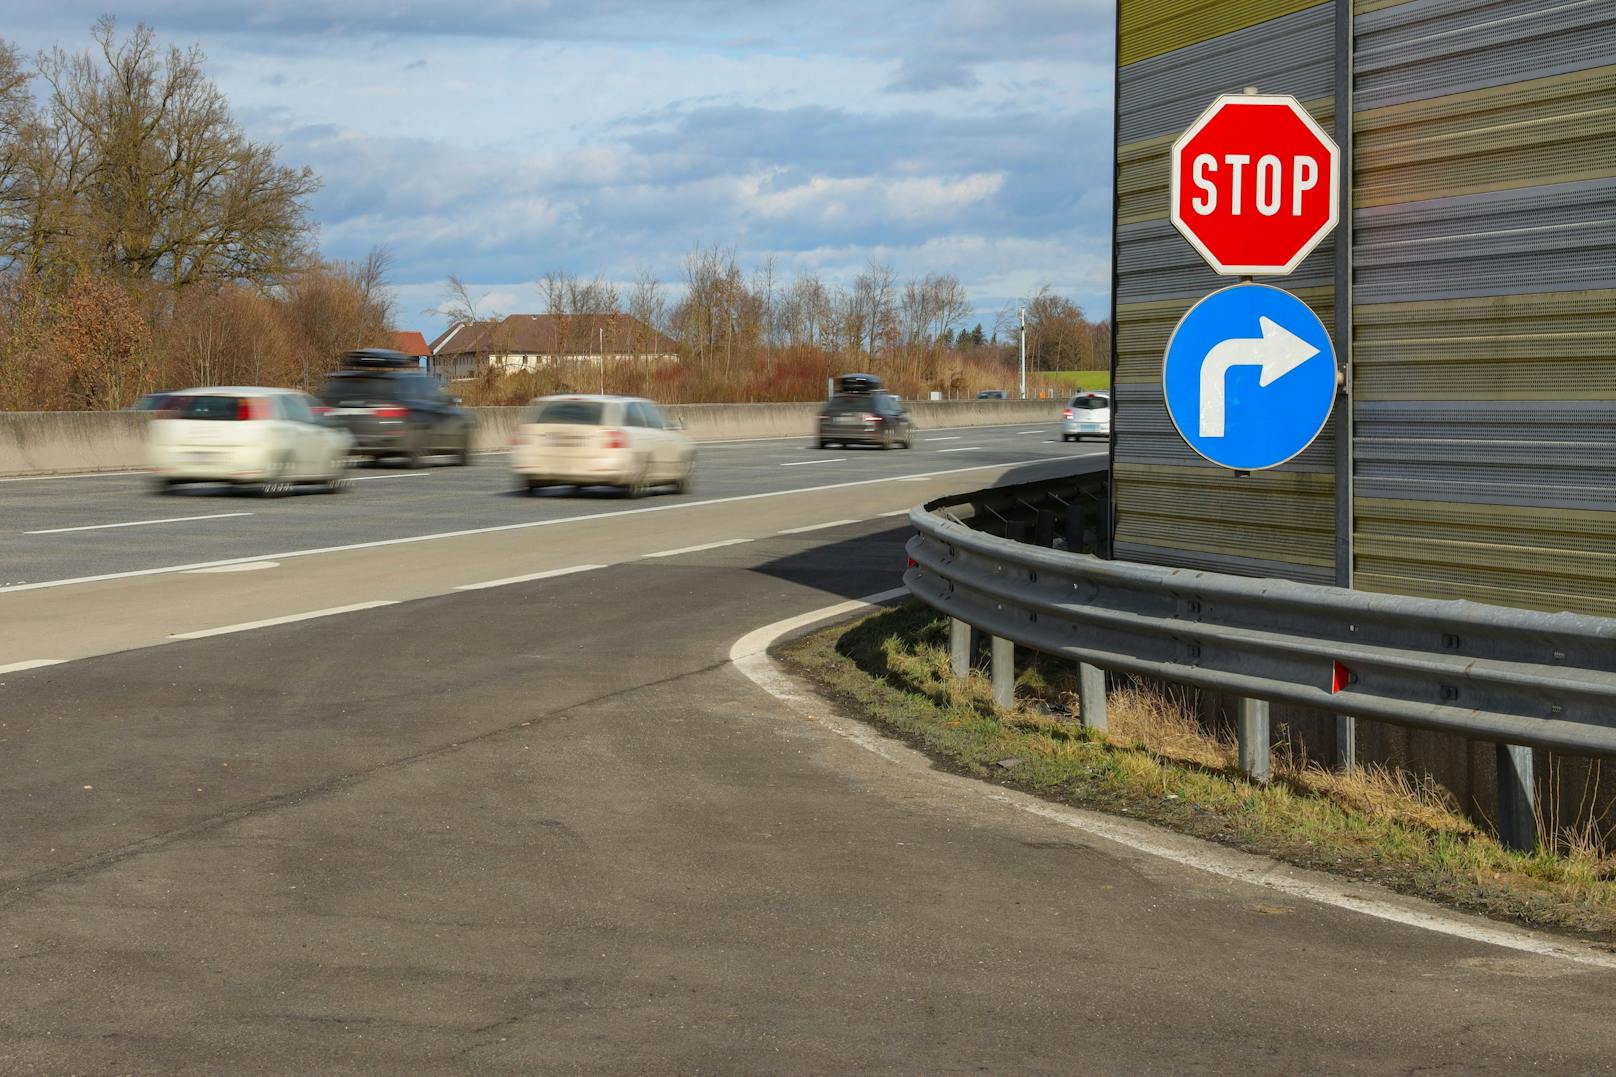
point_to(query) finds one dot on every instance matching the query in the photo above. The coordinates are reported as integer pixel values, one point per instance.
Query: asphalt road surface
(516, 812)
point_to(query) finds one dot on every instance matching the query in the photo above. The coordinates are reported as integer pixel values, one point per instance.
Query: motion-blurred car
(271, 438)
(149, 402)
(1088, 415)
(993, 394)
(394, 410)
(620, 441)
(861, 413)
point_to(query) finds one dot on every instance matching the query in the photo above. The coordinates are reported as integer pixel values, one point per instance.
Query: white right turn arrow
(1278, 351)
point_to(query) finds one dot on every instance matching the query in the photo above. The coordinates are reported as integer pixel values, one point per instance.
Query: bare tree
(161, 181)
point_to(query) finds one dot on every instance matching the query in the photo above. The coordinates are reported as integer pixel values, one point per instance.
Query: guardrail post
(1346, 742)
(961, 649)
(1004, 672)
(1076, 524)
(1044, 532)
(1091, 696)
(1254, 739)
(1517, 814)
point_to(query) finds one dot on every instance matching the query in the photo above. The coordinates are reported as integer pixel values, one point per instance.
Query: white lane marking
(269, 622)
(750, 655)
(531, 576)
(245, 566)
(115, 472)
(963, 448)
(32, 663)
(400, 475)
(497, 528)
(825, 460)
(816, 527)
(894, 512)
(137, 523)
(697, 549)
(1029, 431)
(951, 437)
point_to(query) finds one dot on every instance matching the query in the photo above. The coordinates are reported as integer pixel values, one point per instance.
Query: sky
(504, 139)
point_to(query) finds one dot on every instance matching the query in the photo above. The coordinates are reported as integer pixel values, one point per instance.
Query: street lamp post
(1023, 353)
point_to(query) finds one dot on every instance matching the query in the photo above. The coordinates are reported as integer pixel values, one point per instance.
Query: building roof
(554, 334)
(410, 342)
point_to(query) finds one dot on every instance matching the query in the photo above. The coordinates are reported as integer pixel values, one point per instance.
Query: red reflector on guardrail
(1340, 677)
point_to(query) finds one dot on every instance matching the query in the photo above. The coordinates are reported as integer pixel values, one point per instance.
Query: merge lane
(434, 501)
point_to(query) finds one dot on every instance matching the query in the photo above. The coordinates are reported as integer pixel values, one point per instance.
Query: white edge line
(32, 663)
(697, 549)
(962, 448)
(817, 527)
(1029, 431)
(400, 475)
(951, 437)
(750, 656)
(528, 578)
(804, 463)
(137, 523)
(270, 622)
(524, 525)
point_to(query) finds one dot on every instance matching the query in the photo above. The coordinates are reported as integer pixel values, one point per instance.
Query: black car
(393, 409)
(862, 413)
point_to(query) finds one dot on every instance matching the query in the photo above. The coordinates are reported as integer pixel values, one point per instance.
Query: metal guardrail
(1520, 678)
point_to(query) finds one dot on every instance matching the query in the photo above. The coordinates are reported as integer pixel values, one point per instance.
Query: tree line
(752, 334)
(146, 242)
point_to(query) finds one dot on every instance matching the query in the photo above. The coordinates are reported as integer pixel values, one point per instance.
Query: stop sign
(1255, 184)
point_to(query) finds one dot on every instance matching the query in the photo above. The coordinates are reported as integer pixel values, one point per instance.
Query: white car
(271, 438)
(1087, 415)
(621, 441)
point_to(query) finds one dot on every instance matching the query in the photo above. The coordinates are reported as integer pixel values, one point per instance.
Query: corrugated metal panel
(1469, 44)
(1143, 168)
(1484, 363)
(1558, 129)
(1502, 347)
(1154, 262)
(1540, 239)
(1555, 454)
(1520, 556)
(1288, 55)
(1149, 28)
(1172, 506)
(1283, 518)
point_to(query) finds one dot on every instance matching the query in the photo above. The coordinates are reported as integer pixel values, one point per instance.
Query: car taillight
(1068, 413)
(251, 407)
(616, 439)
(320, 409)
(391, 413)
(871, 417)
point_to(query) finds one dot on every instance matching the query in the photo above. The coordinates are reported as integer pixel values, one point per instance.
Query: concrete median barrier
(58, 442)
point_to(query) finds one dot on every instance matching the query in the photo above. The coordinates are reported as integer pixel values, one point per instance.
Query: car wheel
(336, 484)
(823, 444)
(161, 486)
(279, 483)
(637, 486)
(687, 482)
(463, 458)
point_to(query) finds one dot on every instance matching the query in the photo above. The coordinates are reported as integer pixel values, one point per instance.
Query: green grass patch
(1075, 379)
(1159, 763)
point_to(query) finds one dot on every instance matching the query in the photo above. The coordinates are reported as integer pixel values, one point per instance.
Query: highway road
(489, 796)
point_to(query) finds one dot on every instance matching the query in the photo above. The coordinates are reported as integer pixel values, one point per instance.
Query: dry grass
(1158, 761)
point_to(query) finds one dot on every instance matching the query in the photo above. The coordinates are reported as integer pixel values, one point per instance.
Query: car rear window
(1091, 403)
(217, 408)
(574, 412)
(355, 390)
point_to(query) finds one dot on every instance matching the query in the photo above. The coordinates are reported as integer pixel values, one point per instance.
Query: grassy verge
(1073, 380)
(1158, 763)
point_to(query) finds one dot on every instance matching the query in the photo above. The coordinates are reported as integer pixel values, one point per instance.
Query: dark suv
(862, 414)
(392, 409)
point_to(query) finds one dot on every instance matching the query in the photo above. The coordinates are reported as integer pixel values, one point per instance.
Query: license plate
(846, 419)
(197, 457)
(1090, 428)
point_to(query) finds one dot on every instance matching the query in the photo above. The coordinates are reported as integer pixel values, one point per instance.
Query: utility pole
(1023, 353)
(600, 332)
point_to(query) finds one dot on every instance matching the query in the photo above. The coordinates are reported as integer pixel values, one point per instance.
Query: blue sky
(503, 139)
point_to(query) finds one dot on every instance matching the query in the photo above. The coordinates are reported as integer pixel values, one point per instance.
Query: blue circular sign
(1249, 377)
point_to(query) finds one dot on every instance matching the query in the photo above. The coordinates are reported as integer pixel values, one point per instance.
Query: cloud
(928, 76)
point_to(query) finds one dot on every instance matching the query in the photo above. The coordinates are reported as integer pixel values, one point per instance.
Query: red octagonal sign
(1254, 184)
